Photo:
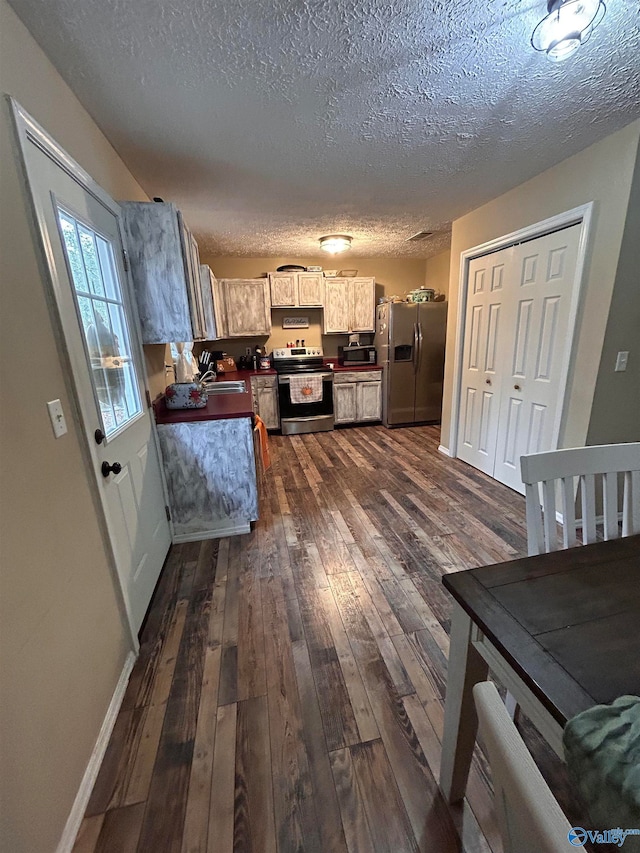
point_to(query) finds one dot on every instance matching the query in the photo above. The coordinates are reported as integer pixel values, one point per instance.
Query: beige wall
(437, 271)
(602, 174)
(63, 640)
(615, 416)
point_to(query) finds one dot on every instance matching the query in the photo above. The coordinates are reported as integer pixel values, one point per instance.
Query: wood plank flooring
(290, 686)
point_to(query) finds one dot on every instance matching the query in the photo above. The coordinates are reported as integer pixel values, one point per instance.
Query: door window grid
(100, 306)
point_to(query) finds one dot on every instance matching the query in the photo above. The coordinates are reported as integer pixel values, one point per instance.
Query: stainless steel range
(305, 390)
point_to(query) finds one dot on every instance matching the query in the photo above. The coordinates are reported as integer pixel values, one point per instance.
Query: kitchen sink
(226, 387)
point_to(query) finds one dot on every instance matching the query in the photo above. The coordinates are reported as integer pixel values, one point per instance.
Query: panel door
(480, 384)
(369, 401)
(247, 307)
(283, 289)
(345, 404)
(85, 256)
(533, 362)
(310, 289)
(363, 304)
(336, 312)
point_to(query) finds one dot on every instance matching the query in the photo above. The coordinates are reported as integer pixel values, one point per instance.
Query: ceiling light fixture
(334, 243)
(568, 24)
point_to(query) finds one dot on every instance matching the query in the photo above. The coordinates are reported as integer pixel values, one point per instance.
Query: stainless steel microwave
(355, 355)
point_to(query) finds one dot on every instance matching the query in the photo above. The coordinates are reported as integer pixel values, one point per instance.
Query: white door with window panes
(80, 230)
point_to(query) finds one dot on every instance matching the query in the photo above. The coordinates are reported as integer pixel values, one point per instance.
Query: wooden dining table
(561, 631)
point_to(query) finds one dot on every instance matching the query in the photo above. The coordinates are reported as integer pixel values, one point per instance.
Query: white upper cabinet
(296, 289)
(210, 330)
(165, 270)
(336, 316)
(310, 289)
(362, 298)
(284, 289)
(244, 307)
(349, 305)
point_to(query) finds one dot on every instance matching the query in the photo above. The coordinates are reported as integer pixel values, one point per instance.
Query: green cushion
(602, 752)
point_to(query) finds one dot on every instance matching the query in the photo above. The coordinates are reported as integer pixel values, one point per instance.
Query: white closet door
(535, 327)
(481, 382)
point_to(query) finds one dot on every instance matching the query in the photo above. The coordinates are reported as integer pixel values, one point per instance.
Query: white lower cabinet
(210, 472)
(264, 392)
(344, 402)
(357, 396)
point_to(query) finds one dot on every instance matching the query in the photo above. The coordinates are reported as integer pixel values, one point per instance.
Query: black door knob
(107, 469)
(99, 436)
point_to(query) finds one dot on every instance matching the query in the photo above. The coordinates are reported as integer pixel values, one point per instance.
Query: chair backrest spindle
(543, 473)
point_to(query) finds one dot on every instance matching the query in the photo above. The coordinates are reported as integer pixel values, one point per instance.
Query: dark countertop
(236, 375)
(223, 406)
(219, 407)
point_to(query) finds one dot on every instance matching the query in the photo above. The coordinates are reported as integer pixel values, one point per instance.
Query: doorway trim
(27, 132)
(581, 215)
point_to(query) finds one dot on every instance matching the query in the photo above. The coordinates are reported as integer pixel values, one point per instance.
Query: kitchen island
(209, 466)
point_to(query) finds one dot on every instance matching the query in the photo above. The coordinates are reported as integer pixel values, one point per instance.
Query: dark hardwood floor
(289, 690)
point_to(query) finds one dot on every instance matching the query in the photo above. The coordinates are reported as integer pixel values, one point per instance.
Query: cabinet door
(310, 289)
(345, 403)
(192, 280)
(265, 403)
(363, 304)
(336, 306)
(209, 330)
(369, 401)
(201, 323)
(247, 307)
(156, 260)
(283, 289)
(219, 308)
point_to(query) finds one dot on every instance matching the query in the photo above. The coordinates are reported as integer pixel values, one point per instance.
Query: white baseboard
(217, 533)
(444, 450)
(91, 773)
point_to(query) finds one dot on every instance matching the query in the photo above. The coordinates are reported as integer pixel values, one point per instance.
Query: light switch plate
(621, 361)
(57, 418)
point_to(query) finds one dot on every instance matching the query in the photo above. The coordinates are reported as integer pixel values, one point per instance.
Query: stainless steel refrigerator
(410, 339)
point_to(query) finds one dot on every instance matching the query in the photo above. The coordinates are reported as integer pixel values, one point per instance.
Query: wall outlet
(56, 416)
(621, 361)
(247, 350)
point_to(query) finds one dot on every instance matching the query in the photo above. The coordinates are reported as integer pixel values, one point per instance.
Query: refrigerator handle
(415, 348)
(419, 325)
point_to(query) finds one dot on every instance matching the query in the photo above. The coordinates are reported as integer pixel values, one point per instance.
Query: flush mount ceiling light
(334, 243)
(568, 24)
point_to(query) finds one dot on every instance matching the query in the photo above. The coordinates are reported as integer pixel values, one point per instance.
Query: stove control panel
(297, 352)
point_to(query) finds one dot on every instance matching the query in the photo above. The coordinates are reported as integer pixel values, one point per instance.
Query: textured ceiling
(273, 122)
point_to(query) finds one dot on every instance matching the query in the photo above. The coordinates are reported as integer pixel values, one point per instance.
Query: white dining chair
(529, 817)
(587, 472)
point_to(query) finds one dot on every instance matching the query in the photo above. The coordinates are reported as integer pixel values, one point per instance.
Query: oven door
(305, 417)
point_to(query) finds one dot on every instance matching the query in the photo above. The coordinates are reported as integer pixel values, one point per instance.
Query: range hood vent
(421, 235)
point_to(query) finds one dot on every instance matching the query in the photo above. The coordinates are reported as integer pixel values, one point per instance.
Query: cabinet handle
(517, 387)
